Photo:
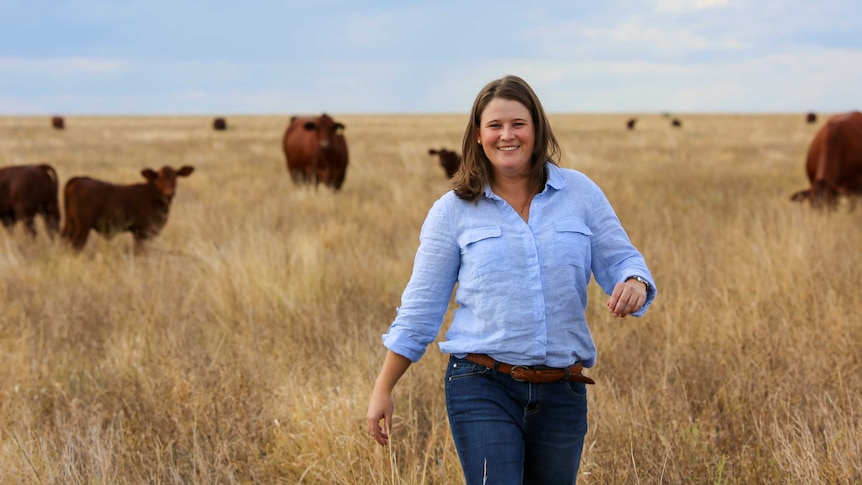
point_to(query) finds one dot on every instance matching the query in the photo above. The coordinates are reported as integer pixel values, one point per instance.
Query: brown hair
(475, 172)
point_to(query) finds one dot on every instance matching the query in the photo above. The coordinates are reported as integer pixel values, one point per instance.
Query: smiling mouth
(507, 149)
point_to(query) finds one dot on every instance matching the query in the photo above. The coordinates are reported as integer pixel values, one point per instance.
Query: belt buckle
(512, 372)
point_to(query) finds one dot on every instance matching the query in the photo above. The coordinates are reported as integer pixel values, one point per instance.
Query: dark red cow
(811, 118)
(219, 124)
(449, 160)
(316, 151)
(27, 191)
(676, 123)
(58, 122)
(109, 209)
(630, 124)
(834, 162)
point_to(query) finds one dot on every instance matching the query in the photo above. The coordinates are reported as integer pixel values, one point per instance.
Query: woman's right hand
(381, 406)
(380, 409)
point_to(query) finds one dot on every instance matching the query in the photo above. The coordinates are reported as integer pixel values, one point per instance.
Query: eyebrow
(514, 119)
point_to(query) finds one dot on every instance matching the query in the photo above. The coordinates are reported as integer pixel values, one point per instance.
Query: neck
(516, 192)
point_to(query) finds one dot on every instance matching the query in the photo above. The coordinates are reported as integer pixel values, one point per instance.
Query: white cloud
(60, 66)
(682, 5)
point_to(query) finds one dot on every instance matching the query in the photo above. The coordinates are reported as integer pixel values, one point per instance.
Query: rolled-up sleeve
(615, 258)
(427, 295)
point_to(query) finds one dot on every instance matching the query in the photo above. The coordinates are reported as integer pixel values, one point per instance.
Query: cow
(834, 161)
(219, 124)
(630, 124)
(110, 209)
(27, 191)
(449, 160)
(811, 118)
(676, 123)
(58, 122)
(316, 151)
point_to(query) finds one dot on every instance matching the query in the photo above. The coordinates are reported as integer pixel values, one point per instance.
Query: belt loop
(496, 364)
(567, 374)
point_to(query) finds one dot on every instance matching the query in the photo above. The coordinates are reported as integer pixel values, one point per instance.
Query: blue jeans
(511, 432)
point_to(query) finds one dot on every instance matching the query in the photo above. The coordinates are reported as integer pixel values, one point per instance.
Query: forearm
(394, 366)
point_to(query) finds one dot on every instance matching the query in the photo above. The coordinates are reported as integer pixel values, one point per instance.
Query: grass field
(242, 346)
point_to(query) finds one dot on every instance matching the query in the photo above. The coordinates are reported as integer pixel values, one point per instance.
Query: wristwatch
(639, 280)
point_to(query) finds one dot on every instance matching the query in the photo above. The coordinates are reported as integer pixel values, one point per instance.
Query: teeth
(508, 149)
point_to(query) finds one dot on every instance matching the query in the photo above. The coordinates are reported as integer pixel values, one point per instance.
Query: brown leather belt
(528, 374)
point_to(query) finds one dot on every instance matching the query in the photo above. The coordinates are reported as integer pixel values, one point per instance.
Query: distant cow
(58, 122)
(316, 151)
(811, 118)
(109, 209)
(676, 123)
(834, 162)
(630, 124)
(27, 191)
(219, 124)
(449, 160)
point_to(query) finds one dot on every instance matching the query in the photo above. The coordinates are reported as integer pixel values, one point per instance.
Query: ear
(310, 126)
(149, 174)
(339, 126)
(185, 171)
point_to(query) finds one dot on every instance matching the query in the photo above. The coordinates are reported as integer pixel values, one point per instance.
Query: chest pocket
(572, 240)
(483, 250)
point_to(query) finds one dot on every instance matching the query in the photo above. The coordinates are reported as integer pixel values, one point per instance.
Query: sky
(167, 57)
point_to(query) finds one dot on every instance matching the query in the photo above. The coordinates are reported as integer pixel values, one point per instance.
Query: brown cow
(811, 118)
(834, 162)
(630, 124)
(58, 122)
(316, 151)
(676, 123)
(219, 124)
(449, 160)
(109, 209)
(27, 191)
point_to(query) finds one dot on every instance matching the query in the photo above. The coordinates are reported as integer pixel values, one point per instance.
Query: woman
(521, 237)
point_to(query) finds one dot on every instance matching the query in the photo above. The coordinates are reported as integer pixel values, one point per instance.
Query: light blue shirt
(522, 287)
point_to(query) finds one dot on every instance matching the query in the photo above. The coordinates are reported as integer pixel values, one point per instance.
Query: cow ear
(185, 171)
(309, 125)
(339, 126)
(149, 174)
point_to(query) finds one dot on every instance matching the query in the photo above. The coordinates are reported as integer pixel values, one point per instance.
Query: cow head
(165, 180)
(326, 128)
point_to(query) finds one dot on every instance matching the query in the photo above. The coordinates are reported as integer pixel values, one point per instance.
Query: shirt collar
(555, 180)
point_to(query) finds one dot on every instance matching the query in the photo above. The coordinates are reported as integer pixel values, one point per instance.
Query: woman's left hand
(628, 297)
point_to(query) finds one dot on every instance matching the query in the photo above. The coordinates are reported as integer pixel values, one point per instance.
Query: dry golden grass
(242, 346)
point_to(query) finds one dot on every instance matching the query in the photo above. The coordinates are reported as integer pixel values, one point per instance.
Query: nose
(507, 132)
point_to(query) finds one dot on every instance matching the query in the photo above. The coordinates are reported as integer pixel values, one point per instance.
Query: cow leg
(52, 224)
(80, 239)
(30, 225)
(296, 176)
(51, 215)
(75, 234)
(27, 215)
(140, 239)
(8, 220)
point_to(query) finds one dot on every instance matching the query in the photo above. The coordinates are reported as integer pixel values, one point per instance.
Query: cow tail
(70, 223)
(51, 206)
(52, 174)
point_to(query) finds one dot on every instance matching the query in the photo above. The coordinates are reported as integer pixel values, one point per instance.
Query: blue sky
(129, 57)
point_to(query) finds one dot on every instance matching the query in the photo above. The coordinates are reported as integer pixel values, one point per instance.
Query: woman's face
(507, 135)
